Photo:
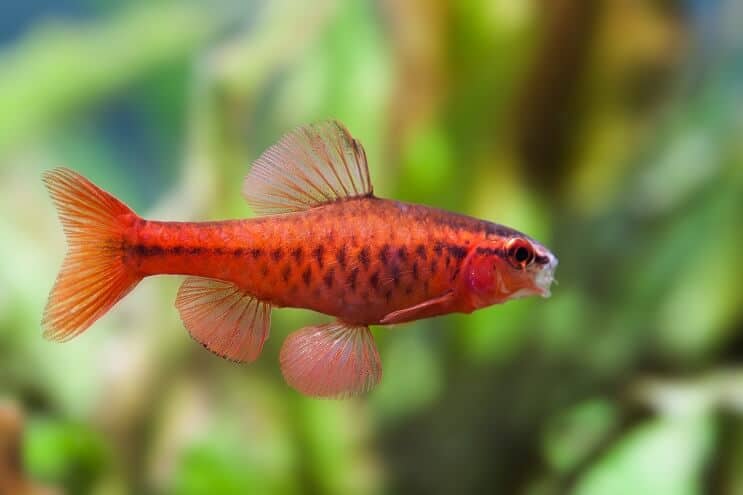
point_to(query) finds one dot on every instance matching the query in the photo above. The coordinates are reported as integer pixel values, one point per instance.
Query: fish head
(498, 270)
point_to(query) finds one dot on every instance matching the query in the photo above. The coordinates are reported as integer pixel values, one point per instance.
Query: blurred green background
(609, 130)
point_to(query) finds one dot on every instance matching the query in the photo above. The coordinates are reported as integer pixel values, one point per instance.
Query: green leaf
(665, 456)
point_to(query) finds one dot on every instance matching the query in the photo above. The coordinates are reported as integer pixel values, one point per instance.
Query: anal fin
(333, 360)
(425, 309)
(224, 318)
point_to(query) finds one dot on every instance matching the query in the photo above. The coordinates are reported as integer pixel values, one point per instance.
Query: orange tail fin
(93, 276)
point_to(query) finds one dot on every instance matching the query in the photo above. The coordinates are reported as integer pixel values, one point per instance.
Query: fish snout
(546, 275)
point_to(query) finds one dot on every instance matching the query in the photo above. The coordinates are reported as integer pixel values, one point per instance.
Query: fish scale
(359, 275)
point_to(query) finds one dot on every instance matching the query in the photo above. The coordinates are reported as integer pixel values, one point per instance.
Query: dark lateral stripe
(143, 250)
(179, 250)
(459, 252)
(454, 250)
(491, 251)
(151, 250)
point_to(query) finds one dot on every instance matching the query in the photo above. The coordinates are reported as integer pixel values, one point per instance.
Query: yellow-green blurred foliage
(610, 130)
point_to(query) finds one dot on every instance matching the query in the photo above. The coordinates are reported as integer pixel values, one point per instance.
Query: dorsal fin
(310, 166)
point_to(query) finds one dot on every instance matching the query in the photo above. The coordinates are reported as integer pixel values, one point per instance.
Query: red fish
(323, 241)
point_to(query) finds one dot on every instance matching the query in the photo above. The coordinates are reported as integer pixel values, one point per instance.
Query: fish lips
(545, 276)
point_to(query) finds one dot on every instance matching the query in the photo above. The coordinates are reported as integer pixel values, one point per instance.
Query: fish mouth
(546, 276)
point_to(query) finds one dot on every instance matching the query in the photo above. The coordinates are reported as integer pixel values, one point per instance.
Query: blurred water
(627, 380)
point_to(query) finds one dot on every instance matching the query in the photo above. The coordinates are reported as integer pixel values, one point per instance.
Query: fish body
(325, 243)
(343, 259)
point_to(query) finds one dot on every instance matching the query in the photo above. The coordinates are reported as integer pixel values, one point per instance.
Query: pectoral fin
(425, 309)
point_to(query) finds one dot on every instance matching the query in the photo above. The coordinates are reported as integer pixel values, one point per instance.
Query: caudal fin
(93, 276)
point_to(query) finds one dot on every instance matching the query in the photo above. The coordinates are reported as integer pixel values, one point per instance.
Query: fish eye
(520, 253)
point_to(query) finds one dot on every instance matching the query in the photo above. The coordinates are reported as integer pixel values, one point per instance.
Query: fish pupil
(521, 254)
